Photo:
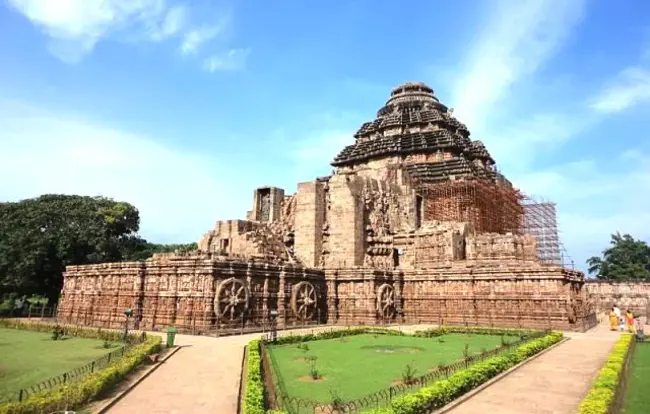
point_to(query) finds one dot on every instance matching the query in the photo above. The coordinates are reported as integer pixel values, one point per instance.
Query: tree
(625, 259)
(39, 237)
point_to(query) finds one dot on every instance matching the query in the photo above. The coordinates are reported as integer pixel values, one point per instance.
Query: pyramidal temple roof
(413, 121)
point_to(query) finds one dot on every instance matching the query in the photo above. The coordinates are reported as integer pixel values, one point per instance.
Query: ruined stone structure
(627, 295)
(415, 224)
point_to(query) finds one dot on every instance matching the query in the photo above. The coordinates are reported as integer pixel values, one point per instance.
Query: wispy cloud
(630, 88)
(514, 43)
(77, 156)
(197, 37)
(74, 27)
(232, 60)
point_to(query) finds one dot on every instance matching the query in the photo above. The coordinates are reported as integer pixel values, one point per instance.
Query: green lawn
(356, 366)
(27, 358)
(637, 398)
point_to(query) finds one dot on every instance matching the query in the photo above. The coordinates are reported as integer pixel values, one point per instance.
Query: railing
(278, 398)
(34, 311)
(73, 375)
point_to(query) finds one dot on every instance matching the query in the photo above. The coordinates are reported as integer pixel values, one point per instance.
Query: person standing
(619, 317)
(613, 320)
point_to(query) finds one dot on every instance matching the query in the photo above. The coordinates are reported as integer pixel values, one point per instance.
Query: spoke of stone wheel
(240, 290)
(232, 312)
(232, 289)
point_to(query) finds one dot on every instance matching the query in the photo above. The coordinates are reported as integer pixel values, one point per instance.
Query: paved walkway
(554, 383)
(202, 377)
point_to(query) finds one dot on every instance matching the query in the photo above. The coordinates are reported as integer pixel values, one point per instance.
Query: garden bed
(356, 369)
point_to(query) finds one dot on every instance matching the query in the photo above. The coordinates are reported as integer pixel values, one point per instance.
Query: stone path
(554, 383)
(202, 377)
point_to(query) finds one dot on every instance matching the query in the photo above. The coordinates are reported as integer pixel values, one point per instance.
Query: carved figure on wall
(231, 300)
(303, 300)
(386, 301)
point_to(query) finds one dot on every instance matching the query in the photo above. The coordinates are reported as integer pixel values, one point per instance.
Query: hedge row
(70, 330)
(254, 392)
(445, 391)
(429, 333)
(338, 333)
(95, 385)
(601, 397)
(474, 330)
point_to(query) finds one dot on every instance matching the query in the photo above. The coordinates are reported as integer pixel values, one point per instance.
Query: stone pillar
(310, 215)
(346, 227)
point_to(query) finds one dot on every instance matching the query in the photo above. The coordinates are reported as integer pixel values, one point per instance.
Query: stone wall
(196, 293)
(506, 295)
(627, 295)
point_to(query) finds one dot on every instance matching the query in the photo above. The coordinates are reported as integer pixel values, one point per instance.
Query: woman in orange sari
(629, 321)
(613, 321)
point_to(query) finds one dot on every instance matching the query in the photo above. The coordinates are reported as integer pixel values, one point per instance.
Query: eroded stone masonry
(415, 224)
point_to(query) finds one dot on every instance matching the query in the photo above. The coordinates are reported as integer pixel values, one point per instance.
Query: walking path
(204, 376)
(554, 383)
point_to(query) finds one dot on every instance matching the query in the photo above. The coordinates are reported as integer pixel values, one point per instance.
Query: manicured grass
(356, 366)
(637, 398)
(27, 358)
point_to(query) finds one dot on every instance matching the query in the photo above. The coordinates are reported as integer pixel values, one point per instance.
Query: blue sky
(183, 108)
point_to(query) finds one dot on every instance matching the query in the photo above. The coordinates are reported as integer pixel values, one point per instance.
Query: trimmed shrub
(444, 391)
(601, 397)
(76, 394)
(254, 393)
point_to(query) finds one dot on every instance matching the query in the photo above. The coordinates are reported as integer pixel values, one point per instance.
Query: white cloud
(179, 193)
(631, 87)
(197, 37)
(232, 60)
(74, 27)
(516, 41)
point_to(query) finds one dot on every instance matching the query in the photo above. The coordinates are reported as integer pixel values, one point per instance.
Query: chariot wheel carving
(386, 301)
(231, 300)
(303, 301)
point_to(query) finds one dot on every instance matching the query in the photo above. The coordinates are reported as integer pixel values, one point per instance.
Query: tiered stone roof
(413, 121)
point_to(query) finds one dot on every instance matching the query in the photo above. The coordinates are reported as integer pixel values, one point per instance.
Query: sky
(183, 108)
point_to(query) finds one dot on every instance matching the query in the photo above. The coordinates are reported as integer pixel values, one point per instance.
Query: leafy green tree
(39, 237)
(625, 259)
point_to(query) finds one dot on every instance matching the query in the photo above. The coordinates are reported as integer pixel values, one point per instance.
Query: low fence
(278, 398)
(34, 311)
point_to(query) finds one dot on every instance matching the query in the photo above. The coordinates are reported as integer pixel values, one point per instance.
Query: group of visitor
(623, 322)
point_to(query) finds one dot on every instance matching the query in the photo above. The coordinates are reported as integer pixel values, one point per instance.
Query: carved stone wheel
(303, 301)
(386, 301)
(231, 300)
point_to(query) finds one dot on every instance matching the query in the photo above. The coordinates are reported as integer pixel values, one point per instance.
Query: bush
(76, 394)
(71, 330)
(601, 397)
(475, 330)
(254, 393)
(444, 391)
(340, 333)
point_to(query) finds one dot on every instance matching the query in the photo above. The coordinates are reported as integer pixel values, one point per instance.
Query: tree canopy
(625, 259)
(40, 236)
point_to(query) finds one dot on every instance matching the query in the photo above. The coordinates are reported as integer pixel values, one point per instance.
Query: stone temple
(415, 225)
